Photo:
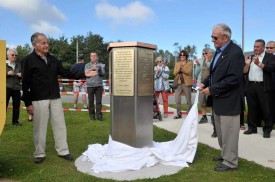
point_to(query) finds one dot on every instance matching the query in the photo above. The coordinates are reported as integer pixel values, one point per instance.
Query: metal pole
(76, 51)
(243, 26)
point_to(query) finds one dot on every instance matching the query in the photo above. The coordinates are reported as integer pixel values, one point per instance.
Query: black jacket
(226, 84)
(40, 80)
(13, 82)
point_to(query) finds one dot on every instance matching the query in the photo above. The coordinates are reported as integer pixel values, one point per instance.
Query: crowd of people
(225, 77)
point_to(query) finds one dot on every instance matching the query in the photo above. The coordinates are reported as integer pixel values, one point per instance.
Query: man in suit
(270, 48)
(225, 86)
(258, 72)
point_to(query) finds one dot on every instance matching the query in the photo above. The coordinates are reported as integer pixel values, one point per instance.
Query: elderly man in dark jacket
(42, 98)
(13, 70)
(225, 86)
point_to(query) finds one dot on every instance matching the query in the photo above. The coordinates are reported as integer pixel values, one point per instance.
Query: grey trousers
(44, 110)
(228, 129)
(187, 93)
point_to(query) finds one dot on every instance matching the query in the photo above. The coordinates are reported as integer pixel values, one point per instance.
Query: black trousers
(95, 93)
(15, 95)
(273, 108)
(258, 101)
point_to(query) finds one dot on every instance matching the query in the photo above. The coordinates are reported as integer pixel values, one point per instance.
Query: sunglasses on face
(269, 47)
(13, 55)
(214, 37)
(205, 53)
(182, 55)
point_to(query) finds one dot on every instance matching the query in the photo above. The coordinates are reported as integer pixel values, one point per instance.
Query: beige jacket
(186, 70)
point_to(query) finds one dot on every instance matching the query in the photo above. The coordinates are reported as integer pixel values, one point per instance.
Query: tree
(61, 50)
(23, 51)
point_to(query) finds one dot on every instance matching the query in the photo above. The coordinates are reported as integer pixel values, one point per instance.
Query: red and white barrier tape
(71, 93)
(68, 109)
(70, 80)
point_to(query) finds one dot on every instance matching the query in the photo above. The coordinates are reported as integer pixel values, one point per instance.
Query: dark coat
(40, 80)
(226, 83)
(13, 82)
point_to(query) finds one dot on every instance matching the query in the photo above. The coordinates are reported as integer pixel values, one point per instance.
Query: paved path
(251, 147)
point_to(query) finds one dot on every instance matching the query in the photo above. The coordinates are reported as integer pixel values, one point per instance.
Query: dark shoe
(100, 118)
(17, 124)
(214, 135)
(68, 157)
(223, 167)
(203, 120)
(39, 160)
(266, 135)
(92, 117)
(249, 131)
(177, 117)
(217, 159)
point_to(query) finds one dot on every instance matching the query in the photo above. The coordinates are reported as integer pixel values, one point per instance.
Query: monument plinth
(131, 92)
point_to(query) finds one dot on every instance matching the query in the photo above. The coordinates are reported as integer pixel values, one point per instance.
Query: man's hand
(18, 75)
(11, 73)
(256, 60)
(90, 73)
(206, 91)
(201, 86)
(30, 110)
(247, 60)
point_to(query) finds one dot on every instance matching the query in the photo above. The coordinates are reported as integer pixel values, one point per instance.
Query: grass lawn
(16, 159)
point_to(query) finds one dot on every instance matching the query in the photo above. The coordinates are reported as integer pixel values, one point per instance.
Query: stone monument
(131, 92)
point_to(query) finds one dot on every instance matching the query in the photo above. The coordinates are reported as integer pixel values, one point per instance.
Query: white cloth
(118, 157)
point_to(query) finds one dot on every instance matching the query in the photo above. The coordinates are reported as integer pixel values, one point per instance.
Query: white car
(106, 85)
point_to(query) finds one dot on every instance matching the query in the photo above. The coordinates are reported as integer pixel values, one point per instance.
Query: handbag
(175, 83)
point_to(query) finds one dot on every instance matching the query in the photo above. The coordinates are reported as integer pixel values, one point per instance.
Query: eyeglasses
(182, 55)
(205, 53)
(159, 61)
(214, 37)
(269, 47)
(13, 55)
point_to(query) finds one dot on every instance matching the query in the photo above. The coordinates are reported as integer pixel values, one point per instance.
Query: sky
(158, 22)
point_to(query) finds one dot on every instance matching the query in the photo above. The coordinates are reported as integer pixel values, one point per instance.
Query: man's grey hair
(224, 28)
(9, 51)
(271, 42)
(35, 35)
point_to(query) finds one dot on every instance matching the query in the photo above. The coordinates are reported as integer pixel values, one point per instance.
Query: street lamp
(243, 26)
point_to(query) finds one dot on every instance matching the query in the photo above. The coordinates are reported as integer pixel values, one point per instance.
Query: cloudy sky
(159, 22)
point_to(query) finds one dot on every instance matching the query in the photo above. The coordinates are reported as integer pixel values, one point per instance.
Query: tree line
(65, 50)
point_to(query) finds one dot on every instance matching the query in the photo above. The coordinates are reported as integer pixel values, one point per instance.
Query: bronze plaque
(145, 70)
(123, 72)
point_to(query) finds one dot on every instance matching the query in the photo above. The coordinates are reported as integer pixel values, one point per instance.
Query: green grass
(16, 160)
